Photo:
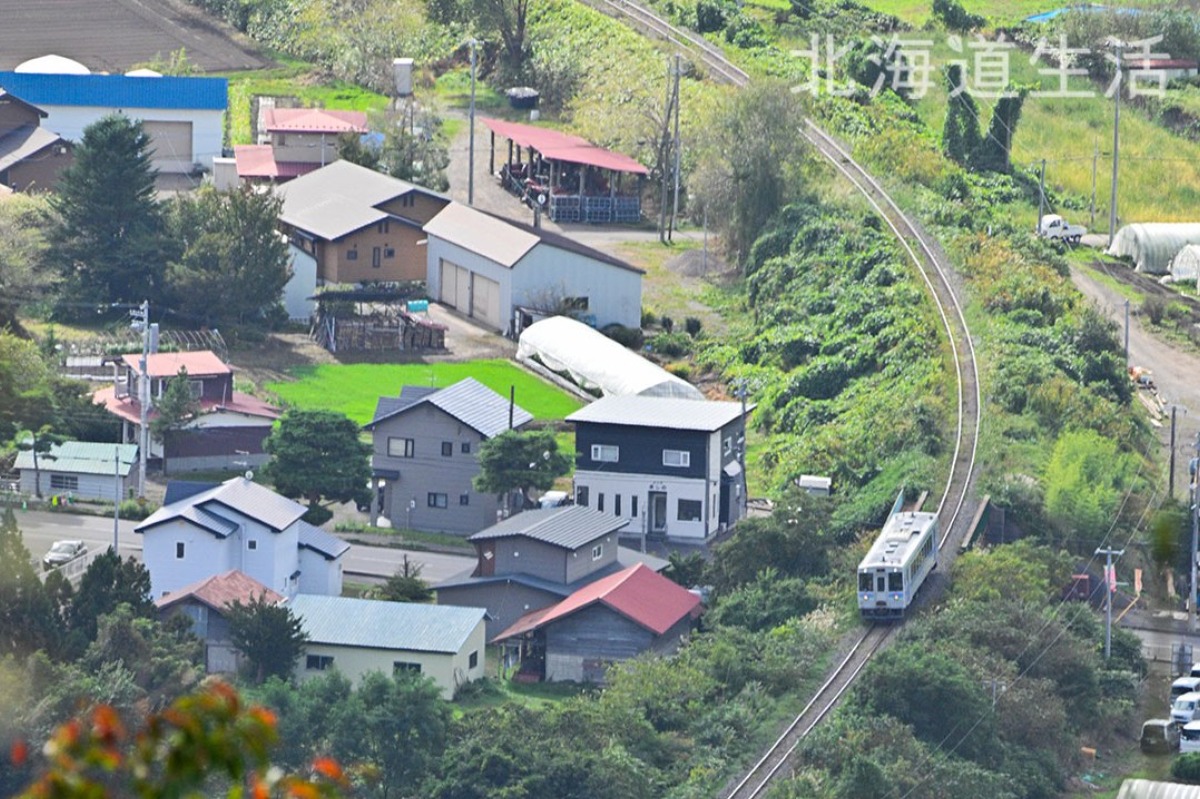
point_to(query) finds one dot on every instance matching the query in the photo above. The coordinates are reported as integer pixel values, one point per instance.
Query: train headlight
(897, 596)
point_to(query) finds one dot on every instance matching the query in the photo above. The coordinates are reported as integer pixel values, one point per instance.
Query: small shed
(83, 469)
(595, 362)
(1152, 245)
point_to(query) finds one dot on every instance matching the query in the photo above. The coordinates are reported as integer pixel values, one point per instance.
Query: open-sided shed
(1152, 245)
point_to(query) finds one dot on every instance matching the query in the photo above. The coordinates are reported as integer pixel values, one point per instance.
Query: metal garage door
(170, 145)
(456, 286)
(485, 300)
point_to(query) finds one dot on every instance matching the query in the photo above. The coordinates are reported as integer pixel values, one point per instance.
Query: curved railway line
(954, 503)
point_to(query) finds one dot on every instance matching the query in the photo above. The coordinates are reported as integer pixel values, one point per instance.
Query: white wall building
(489, 269)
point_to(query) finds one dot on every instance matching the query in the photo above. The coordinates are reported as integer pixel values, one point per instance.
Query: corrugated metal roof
(345, 621)
(569, 527)
(482, 234)
(182, 489)
(1150, 789)
(637, 593)
(314, 120)
(200, 363)
(318, 540)
(468, 401)
(81, 457)
(244, 496)
(118, 91)
(221, 590)
(23, 143)
(340, 198)
(666, 412)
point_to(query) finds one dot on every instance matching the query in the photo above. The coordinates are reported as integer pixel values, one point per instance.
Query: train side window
(895, 581)
(864, 581)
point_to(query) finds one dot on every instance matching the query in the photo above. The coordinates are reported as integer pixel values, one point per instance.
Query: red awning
(556, 146)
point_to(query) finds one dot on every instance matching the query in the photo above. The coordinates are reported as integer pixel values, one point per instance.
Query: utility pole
(141, 322)
(1126, 333)
(742, 452)
(665, 156)
(1119, 46)
(1110, 585)
(1095, 158)
(1195, 539)
(1041, 195)
(471, 138)
(116, 498)
(678, 148)
(1171, 470)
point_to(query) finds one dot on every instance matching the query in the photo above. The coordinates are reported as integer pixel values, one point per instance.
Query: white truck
(1053, 226)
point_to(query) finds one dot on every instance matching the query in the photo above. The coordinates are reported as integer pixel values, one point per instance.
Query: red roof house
(206, 602)
(294, 142)
(615, 618)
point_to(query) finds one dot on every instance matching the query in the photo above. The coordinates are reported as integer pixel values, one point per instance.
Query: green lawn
(354, 389)
(918, 12)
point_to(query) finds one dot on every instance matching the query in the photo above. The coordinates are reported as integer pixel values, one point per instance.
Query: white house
(672, 466)
(204, 530)
(358, 636)
(182, 115)
(78, 468)
(504, 274)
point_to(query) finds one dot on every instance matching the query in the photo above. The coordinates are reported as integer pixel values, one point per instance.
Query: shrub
(1186, 768)
(692, 325)
(668, 324)
(672, 345)
(134, 510)
(1154, 308)
(649, 318)
(681, 369)
(955, 17)
(316, 515)
(630, 337)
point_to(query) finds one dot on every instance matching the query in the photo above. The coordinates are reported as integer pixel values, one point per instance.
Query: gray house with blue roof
(426, 453)
(358, 636)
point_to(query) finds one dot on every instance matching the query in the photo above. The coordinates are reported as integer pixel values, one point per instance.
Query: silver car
(63, 552)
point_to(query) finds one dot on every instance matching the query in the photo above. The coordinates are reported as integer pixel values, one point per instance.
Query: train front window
(895, 581)
(864, 581)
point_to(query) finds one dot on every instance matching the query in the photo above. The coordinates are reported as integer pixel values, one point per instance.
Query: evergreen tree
(109, 581)
(317, 455)
(110, 242)
(406, 584)
(520, 461)
(174, 409)
(995, 151)
(28, 620)
(270, 636)
(960, 134)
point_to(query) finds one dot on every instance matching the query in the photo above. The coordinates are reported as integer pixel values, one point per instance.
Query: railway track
(954, 505)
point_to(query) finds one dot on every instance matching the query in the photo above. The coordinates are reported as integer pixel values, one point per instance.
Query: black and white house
(673, 467)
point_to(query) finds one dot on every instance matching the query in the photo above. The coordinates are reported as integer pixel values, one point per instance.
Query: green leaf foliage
(109, 582)
(318, 455)
(763, 604)
(269, 635)
(1086, 478)
(520, 460)
(1022, 571)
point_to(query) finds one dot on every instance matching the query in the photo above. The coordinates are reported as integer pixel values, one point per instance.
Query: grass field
(354, 389)
(917, 12)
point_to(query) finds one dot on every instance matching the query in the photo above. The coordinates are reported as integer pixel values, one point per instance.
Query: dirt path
(1174, 371)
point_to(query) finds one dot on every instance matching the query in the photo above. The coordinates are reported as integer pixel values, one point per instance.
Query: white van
(1184, 685)
(1186, 709)
(1189, 737)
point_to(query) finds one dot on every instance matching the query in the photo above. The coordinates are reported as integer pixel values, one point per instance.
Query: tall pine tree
(960, 135)
(29, 620)
(111, 244)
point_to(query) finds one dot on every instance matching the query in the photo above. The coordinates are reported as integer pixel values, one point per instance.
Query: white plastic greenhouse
(1186, 264)
(1152, 245)
(594, 361)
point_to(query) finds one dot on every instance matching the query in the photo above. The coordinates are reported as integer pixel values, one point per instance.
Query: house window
(318, 662)
(389, 252)
(605, 453)
(689, 510)
(464, 499)
(616, 505)
(581, 496)
(466, 448)
(64, 482)
(408, 200)
(383, 226)
(352, 254)
(179, 550)
(399, 667)
(196, 388)
(677, 457)
(447, 449)
(633, 506)
(400, 447)
(437, 500)
(600, 502)
(728, 445)
(252, 544)
(473, 659)
(376, 257)
(597, 551)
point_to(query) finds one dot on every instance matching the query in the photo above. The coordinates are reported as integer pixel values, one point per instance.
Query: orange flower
(328, 768)
(263, 716)
(19, 753)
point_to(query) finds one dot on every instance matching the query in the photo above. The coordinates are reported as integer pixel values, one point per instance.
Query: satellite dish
(249, 475)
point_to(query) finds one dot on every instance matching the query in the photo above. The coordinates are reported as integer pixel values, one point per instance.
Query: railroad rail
(939, 280)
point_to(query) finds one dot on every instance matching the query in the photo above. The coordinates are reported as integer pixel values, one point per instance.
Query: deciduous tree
(24, 220)
(110, 243)
(269, 635)
(317, 455)
(519, 460)
(174, 409)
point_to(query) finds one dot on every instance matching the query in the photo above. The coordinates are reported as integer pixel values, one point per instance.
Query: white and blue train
(899, 561)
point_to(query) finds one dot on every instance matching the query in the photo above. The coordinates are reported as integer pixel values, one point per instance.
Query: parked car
(1160, 736)
(1053, 226)
(63, 552)
(1189, 737)
(553, 499)
(1186, 708)
(1184, 685)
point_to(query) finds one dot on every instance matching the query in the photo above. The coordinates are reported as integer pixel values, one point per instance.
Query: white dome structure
(1152, 245)
(144, 72)
(594, 361)
(53, 65)
(1186, 263)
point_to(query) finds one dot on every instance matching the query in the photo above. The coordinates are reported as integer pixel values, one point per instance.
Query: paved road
(40, 529)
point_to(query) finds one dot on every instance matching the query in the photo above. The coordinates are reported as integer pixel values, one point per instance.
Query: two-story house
(205, 530)
(357, 225)
(294, 142)
(229, 431)
(31, 157)
(538, 558)
(426, 453)
(672, 467)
